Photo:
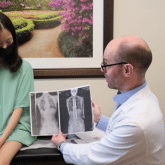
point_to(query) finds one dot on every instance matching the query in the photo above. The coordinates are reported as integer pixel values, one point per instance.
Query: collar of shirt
(123, 97)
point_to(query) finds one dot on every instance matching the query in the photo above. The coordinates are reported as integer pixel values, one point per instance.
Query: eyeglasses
(103, 67)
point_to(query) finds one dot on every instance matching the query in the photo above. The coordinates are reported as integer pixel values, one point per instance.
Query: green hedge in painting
(47, 23)
(25, 23)
(71, 47)
(24, 29)
(19, 23)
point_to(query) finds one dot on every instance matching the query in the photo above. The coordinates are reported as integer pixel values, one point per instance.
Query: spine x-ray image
(69, 111)
(75, 107)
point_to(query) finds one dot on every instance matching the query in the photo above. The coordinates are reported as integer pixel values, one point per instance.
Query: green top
(14, 93)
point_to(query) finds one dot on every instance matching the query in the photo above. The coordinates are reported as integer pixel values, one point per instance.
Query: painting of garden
(52, 28)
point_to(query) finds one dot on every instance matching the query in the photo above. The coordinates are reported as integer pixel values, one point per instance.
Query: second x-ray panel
(76, 110)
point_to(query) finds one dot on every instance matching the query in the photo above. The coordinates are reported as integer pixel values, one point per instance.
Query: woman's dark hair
(13, 60)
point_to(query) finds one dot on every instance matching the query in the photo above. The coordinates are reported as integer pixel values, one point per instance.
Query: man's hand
(96, 111)
(56, 139)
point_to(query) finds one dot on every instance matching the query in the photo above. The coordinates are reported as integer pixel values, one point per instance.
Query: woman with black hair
(16, 81)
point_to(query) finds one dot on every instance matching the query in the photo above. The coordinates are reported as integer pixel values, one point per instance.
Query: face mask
(7, 51)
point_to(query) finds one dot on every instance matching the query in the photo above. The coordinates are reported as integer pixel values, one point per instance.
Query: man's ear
(128, 70)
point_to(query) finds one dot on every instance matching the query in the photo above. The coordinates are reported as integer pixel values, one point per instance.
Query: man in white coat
(135, 131)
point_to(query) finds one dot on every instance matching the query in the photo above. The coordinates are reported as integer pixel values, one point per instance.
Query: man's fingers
(60, 133)
(93, 103)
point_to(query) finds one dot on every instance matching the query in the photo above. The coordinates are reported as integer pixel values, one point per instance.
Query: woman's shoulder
(26, 64)
(25, 68)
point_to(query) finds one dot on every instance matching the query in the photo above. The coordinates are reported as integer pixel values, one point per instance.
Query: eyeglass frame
(104, 66)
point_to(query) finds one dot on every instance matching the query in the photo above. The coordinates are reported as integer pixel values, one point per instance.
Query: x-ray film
(69, 111)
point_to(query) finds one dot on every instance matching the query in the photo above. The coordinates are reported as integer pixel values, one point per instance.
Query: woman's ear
(128, 70)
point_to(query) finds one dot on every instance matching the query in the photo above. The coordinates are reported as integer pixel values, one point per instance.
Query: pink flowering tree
(5, 5)
(77, 18)
(57, 5)
(39, 6)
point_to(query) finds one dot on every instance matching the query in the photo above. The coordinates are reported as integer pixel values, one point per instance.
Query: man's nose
(102, 70)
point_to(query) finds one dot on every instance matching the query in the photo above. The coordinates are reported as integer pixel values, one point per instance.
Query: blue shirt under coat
(120, 98)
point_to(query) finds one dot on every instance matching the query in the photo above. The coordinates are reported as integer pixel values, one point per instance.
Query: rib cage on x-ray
(51, 103)
(47, 105)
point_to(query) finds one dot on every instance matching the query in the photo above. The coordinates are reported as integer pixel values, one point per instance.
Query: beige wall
(145, 18)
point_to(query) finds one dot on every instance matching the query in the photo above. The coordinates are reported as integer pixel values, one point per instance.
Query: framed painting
(64, 39)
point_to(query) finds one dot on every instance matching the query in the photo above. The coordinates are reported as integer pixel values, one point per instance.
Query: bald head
(133, 50)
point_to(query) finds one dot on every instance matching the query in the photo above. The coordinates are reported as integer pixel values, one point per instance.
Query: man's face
(113, 74)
